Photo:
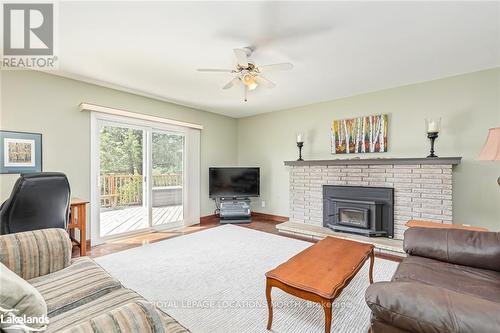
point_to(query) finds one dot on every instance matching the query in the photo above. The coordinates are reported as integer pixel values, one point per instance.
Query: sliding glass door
(167, 170)
(141, 179)
(121, 179)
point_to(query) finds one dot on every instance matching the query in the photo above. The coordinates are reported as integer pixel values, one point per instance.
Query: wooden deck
(119, 220)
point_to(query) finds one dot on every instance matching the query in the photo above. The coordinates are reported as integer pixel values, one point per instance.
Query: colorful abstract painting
(360, 135)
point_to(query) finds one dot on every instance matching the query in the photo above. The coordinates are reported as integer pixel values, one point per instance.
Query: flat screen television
(233, 182)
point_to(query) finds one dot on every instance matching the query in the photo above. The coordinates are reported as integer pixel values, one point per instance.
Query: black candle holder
(300, 145)
(432, 136)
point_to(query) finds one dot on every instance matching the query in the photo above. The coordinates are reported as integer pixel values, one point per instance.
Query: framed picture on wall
(20, 152)
(360, 135)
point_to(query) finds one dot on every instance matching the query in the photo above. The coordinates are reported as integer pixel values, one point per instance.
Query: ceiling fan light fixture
(248, 73)
(249, 81)
(252, 86)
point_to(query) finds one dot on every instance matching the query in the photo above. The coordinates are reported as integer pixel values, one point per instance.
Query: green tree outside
(121, 151)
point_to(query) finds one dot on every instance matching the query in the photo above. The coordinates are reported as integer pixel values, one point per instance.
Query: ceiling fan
(248, 73)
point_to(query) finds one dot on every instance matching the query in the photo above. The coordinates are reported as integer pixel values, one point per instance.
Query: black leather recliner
(37, 201)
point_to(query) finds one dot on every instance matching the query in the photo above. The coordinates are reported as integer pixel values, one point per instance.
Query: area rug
(213, 281)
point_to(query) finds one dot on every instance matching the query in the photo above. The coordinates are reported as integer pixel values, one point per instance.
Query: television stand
(235, 210)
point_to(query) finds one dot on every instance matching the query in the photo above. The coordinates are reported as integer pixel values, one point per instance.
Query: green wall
(468, 105)
(48, 104)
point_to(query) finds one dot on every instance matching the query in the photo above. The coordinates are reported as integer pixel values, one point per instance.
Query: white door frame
(190, 184)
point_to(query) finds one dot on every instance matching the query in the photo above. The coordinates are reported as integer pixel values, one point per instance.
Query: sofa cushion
(462, 279)
(378, 326)
(35, 253)
(18, 298)
(422, 308)
(84, 312)
(80, 283)
(136, 317)
(479, 249)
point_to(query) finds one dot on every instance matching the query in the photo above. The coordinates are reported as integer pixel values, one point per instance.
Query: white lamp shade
(491, 149)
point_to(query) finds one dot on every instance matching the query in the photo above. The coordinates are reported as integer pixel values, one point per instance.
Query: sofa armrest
(134, 317)
(422, 308)
(35, 253)
(479, 249)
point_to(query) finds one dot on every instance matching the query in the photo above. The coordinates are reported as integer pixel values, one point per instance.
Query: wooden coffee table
(320, 273)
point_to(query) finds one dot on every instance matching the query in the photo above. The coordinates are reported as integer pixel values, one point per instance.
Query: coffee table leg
(327, 307)
(269, 303)
(372, 259)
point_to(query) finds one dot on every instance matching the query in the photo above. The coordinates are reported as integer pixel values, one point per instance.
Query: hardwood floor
(126, 243)
(260, 222)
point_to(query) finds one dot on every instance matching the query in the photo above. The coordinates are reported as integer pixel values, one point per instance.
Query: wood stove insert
(357, 209)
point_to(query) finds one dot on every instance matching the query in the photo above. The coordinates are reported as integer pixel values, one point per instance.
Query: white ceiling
(338, 48)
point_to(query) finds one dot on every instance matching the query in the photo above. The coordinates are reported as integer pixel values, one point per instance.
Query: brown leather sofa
(449, 282)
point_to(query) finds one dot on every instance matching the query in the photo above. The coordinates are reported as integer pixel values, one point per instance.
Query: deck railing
(126, 190)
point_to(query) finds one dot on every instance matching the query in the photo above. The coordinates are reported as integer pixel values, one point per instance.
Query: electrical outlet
(263, 204)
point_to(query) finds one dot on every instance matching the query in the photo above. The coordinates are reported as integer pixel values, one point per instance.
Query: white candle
(432, 127)
(299, 137)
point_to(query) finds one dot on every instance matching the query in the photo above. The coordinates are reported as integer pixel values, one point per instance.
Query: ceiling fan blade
(275, 67)
(231, 83)
(265, 82)
(215, 70)
(241, 57)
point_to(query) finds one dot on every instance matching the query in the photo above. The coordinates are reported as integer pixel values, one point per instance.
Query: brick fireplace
(422, 186)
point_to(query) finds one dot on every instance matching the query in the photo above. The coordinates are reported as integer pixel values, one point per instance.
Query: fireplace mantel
(379, 161)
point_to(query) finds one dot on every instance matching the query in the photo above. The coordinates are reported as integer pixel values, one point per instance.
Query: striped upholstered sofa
(80, 295)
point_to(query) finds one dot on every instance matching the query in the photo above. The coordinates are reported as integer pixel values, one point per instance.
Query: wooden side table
(431, 224)
(78, 220)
